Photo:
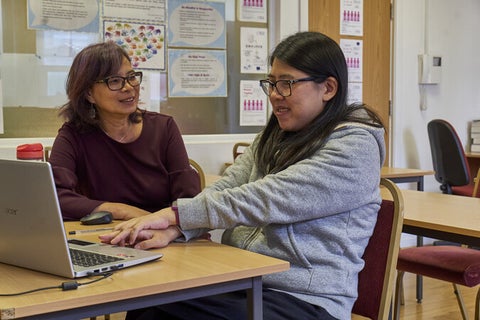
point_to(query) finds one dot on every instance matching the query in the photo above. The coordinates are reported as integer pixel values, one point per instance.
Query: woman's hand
(121, 211)
(138, 229)
(148, 239)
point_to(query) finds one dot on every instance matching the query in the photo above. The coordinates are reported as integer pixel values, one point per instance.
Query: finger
(121, 236)
(151, 243)
(107, 237)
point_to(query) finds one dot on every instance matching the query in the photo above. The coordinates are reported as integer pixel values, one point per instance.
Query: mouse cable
(67, 285)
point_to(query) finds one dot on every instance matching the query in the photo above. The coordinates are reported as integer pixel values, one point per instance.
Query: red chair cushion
(463, 190)
(370, 279)
(449, 263)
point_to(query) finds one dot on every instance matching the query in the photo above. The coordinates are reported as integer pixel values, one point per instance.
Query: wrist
(174, 207)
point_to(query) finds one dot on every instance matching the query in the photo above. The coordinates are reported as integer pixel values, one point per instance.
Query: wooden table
(404, 175)
(442, 216)
(186, 271)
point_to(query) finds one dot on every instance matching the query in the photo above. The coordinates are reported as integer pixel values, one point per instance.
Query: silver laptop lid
(32, 234)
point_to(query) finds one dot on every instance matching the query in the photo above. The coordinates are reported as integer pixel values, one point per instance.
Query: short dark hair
(91, 64)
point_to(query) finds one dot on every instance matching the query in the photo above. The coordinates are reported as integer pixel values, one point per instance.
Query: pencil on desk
(90, 230)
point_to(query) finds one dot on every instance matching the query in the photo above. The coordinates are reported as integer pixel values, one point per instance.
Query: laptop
(32, 233)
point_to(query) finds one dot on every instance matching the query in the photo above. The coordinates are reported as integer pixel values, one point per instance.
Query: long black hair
(318, 56)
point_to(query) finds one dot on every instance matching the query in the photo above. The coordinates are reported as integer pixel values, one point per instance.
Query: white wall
(449, 29)
(210, 151)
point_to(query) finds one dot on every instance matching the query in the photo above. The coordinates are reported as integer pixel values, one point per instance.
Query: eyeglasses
(116, 83)
(284, 87)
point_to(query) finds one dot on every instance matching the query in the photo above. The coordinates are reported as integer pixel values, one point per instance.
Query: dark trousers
(233, 306)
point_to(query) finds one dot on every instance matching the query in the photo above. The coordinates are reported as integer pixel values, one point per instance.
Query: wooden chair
(458, 265)
(201, 173)
(377, 279)
(476, 182)
(238, 148)
(46, 152)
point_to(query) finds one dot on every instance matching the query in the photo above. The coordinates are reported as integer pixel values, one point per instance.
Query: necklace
(123, 137)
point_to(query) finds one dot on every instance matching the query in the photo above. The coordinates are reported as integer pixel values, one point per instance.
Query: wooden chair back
(377, 279)
(238, 148)
(200, 172)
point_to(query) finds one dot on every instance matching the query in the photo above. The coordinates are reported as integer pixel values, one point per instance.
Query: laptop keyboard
(90, 259)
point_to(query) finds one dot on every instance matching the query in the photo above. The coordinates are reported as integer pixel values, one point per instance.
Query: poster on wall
(148, 10)
(144, 43)
(252, 10)
(197, 73)
(351, 17)
(79, 15)
(253, 50)
(253, 104)
(352, 49)
(196, 24)
(355, 92)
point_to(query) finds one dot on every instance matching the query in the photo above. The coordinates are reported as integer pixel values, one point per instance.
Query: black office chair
(449, 161)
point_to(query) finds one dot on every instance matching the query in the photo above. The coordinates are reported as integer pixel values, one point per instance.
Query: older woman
(109, 155)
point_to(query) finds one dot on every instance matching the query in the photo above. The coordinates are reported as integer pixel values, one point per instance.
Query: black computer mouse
(100, 217)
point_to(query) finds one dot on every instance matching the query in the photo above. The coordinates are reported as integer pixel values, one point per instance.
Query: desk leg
(255, 300)
(419, 244)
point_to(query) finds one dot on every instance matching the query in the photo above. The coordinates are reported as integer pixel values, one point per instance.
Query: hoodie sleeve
(343, 175)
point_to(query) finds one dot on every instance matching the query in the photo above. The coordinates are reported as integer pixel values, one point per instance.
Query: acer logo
(12, 211)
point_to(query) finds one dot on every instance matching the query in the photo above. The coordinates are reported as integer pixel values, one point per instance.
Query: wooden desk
(442, 216)
(186, 271)
(403, 175)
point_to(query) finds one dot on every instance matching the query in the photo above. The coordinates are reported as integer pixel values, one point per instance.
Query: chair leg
(398, 295)
(477, 305)
(461, 304)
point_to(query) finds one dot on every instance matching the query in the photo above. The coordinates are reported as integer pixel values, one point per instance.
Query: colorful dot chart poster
(252, 10)
(197, 73)
(79, 15)
(352, 49)
(351, 17)
(198, 24)
(144, 43)
(253, 104)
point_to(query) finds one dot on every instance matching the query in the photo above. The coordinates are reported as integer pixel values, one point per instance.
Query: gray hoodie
(318, 214)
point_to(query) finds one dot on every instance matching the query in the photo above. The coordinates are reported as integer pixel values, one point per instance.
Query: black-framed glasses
(284, 87)
(116, 83)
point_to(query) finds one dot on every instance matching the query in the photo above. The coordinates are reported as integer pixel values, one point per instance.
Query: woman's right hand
(121, 211)
(127, 232)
